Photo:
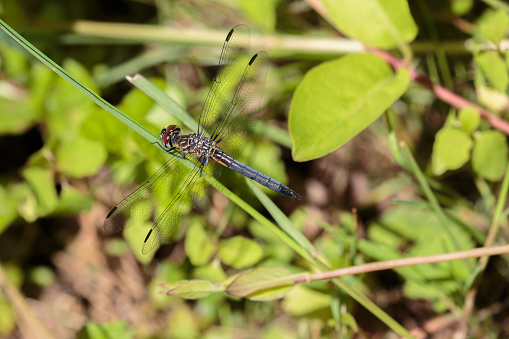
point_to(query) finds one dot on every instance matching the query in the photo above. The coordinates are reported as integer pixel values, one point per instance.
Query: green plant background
(386, 169)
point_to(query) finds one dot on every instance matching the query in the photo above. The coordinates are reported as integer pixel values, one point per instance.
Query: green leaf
(261, 12)
(469, 118)
(116, 329)
(262, 279)
(492, 99)
(494, 68)
(240, 252)
(42, 183)
(81, 157)
(303, 301)
(10, 197)
(489, 157)
(270, 294)
(378, 23)
(190, 289)
(198, 246)
(135, 237)
(461, 7)
(72, 201)
(17, 113)
(42, 276)
(451, 150)
(493, 25)
(340, 98)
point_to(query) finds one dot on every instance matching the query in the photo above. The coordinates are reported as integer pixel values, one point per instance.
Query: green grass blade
(164, 100)
(281, 219)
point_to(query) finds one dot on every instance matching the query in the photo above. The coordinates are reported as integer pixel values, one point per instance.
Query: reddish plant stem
(443, 93)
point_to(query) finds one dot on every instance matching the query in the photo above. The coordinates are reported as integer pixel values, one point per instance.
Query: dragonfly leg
(164, 149)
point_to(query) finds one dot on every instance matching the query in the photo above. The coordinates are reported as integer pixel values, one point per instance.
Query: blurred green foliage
(67, 161)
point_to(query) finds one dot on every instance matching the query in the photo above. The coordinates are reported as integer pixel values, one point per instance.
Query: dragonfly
(226, 123)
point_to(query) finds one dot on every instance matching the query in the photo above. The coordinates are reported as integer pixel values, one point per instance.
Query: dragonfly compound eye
(165, 137)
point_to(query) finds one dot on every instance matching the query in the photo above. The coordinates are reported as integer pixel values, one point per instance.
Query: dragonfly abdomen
(226, 160)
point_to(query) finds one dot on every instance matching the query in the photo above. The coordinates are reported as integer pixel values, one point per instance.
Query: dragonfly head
(168, 135)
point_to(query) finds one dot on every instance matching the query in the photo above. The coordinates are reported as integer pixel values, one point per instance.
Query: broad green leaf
(42, 183)
(378, 23)
(493, 25)
(10, 197)
(261, 12)
(469, 118)
(199, 247)
(494, 68)
(451, 150)
(41, 276)
(135, 236)
(489, 157)
(240, 252)
(72, 201)
(302, 301)
(260, 279)
(117, 329)
(270, 294)
(340, 98)
(16, 113)
(461, 7)
(492, 99)
(189, 289)
(81, 157)
(212, 272)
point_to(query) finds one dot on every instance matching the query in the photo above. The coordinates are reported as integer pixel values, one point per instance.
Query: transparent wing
(232, 63)
(164, 190)
(236, 125)
(190, 192)
(234, 98)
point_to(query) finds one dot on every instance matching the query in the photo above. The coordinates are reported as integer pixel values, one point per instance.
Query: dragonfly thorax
(197, 144)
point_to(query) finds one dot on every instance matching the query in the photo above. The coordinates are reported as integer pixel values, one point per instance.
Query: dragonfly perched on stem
(226, 124)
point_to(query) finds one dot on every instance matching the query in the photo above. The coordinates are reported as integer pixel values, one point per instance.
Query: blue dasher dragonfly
(226, 124)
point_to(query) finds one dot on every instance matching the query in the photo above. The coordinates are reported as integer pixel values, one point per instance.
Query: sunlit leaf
(81, 157)
(493, 25)
(461, 7)
(73, 201)
(495, 69)
(492, 99)
(340, 98)
(469, 118)
(302, 301)
(489, 156)
(116, 329)
(199, 247)
(189, 289)
(259, 279)
(42, 183)
(240, 252)
(451, 150)
(378, 23)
